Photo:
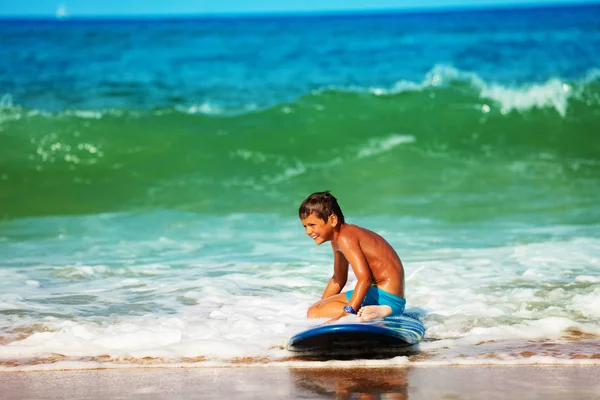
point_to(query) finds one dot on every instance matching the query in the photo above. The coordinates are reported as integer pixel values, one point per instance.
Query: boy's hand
(342, 315)
(332, 320)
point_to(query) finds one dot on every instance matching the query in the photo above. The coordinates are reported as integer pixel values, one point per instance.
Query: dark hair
(323, 204)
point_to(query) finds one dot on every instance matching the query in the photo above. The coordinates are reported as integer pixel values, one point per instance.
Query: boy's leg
(328, 308)
(388, 304)
(368, 313)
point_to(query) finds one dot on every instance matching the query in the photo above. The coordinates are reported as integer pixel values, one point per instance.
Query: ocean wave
(554, 93)
(455, 133)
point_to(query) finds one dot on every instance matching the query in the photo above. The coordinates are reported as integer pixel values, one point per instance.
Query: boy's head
(323, 204)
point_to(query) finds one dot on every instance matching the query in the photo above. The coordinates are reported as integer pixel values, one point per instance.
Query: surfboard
(385, 335)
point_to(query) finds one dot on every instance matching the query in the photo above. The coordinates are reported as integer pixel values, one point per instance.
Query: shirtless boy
(379, 291)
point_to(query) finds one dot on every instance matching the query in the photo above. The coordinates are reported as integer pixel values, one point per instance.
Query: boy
(379, 291)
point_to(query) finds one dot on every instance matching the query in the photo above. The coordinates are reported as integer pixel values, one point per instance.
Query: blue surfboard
(384, 335)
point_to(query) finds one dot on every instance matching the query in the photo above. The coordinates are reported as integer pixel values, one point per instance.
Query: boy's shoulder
(357, 227)
(355, 232)
(351, 231)
(347, 235)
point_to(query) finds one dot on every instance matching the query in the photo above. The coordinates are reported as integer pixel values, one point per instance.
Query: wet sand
(457, 382)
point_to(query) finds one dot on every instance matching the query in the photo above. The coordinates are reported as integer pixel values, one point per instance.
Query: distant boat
(61, 12)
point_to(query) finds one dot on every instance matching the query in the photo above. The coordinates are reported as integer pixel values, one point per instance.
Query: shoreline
(582, 352)
(542, 362)
(404, 382)
(299, 366)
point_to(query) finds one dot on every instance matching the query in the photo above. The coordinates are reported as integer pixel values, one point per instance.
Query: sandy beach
(464, 382)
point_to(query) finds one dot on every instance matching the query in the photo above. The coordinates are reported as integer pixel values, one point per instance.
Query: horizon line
(304, 13)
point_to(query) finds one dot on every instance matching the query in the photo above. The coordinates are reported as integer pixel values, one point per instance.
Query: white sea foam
(221, 289)
(8, 110)
(206, 108)
(587, 304)
(288, 173)
(87, 114)
(377, 146)
(554, 93)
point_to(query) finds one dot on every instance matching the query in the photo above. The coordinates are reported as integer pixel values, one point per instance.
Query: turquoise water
(151, 171)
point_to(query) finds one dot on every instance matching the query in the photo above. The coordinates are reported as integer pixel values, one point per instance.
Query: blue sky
(74, 8)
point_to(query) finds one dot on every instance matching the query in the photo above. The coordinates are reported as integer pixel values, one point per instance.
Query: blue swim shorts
(378, 297)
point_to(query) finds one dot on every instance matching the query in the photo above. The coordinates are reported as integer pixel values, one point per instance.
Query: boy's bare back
(383, 262)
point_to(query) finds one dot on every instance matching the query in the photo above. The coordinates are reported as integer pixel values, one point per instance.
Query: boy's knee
(312, 311)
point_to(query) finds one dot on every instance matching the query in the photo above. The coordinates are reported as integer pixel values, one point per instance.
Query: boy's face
(319, 230)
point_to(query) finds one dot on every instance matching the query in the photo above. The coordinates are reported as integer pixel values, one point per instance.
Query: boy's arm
(340, 275)
(356, 258)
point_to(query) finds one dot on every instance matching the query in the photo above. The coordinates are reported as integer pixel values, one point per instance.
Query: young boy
(379, 291)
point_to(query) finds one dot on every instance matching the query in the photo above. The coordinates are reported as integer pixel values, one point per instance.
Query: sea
(151, 172)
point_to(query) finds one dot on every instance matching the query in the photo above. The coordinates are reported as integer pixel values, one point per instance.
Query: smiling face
(319, 230)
